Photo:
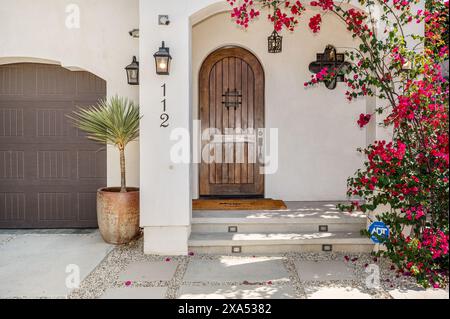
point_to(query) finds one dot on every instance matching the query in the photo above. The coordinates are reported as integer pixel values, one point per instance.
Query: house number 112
(164, 116)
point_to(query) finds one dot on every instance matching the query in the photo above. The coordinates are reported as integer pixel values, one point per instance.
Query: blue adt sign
(380, 229)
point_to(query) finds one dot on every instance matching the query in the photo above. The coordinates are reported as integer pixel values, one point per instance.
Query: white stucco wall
(35, 31)
(318, 134)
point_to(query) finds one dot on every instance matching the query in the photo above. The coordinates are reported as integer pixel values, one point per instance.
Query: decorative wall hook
(333, 61)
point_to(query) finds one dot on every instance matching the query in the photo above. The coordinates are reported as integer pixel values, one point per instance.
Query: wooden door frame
(203, 84)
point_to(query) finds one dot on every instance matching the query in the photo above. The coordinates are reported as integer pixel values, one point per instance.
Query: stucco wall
(35, 31)
(318, 134)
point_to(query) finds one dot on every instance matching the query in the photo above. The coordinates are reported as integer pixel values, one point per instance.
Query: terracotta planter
(118, 214)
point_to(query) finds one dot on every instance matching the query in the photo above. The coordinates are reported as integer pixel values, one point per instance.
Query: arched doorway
(231, 100)
(49, 171)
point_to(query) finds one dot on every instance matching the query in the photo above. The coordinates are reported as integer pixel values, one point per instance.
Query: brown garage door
(49, 171)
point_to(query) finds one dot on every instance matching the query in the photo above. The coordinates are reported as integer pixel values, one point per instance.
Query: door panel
(49, 171)
(232, 103)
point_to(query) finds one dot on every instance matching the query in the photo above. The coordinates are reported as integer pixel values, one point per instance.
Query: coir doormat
(238, 204)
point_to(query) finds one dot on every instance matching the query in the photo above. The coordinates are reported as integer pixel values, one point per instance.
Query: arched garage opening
(49, 171)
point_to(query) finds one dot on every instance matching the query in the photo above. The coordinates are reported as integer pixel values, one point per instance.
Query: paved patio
(127, 273)
(33, 265)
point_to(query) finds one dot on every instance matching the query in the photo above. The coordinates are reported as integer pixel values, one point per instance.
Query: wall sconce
(134, 33)
(133, 72)
(275, 42)
(162, 60)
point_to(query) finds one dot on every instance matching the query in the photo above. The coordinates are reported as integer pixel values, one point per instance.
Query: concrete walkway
(46, 264)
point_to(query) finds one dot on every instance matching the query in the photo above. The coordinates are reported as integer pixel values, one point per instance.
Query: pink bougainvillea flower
(269, 282)
(128, 283)
(347, 258)
(168, 259)
(191, 253)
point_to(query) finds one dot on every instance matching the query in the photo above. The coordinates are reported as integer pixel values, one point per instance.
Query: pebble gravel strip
(106, 275)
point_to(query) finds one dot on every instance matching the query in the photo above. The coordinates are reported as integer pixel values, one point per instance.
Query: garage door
(49, 171)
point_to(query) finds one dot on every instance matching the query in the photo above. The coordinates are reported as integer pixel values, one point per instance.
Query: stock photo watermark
(373, 278)
(72, 16)
(226, 146)
(73, 277)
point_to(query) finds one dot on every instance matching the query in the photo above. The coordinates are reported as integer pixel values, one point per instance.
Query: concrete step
(277, 227)
(257, 243)
(276, 221)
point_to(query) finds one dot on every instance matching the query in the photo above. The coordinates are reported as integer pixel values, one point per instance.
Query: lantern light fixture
(162, 60)
(133, 72)
(275, 42)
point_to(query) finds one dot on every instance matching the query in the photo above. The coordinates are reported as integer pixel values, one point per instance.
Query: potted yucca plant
(114, 121)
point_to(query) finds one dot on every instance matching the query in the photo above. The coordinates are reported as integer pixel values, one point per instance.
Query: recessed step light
(323, 228)
(327, 247)
(232, 229)
(236, 249)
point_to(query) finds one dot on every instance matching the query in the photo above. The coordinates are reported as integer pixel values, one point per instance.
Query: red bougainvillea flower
(167, 259)
(128, 283)
(324, 4)
(314, 23)
(364, 119)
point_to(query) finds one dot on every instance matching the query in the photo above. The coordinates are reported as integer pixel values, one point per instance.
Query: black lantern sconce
(275, 42)
(333, 61)
(133, 72)
(162, 60)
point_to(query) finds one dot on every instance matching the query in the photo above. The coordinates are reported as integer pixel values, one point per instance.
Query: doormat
(238, 204)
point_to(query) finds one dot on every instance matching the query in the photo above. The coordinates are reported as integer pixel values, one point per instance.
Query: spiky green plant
(113, 121)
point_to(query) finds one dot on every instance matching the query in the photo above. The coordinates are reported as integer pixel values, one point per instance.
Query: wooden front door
(231, 96)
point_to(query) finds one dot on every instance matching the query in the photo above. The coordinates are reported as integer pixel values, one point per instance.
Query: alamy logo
(73, 16)
(373, 279)
(228, 145)
(73, 277)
